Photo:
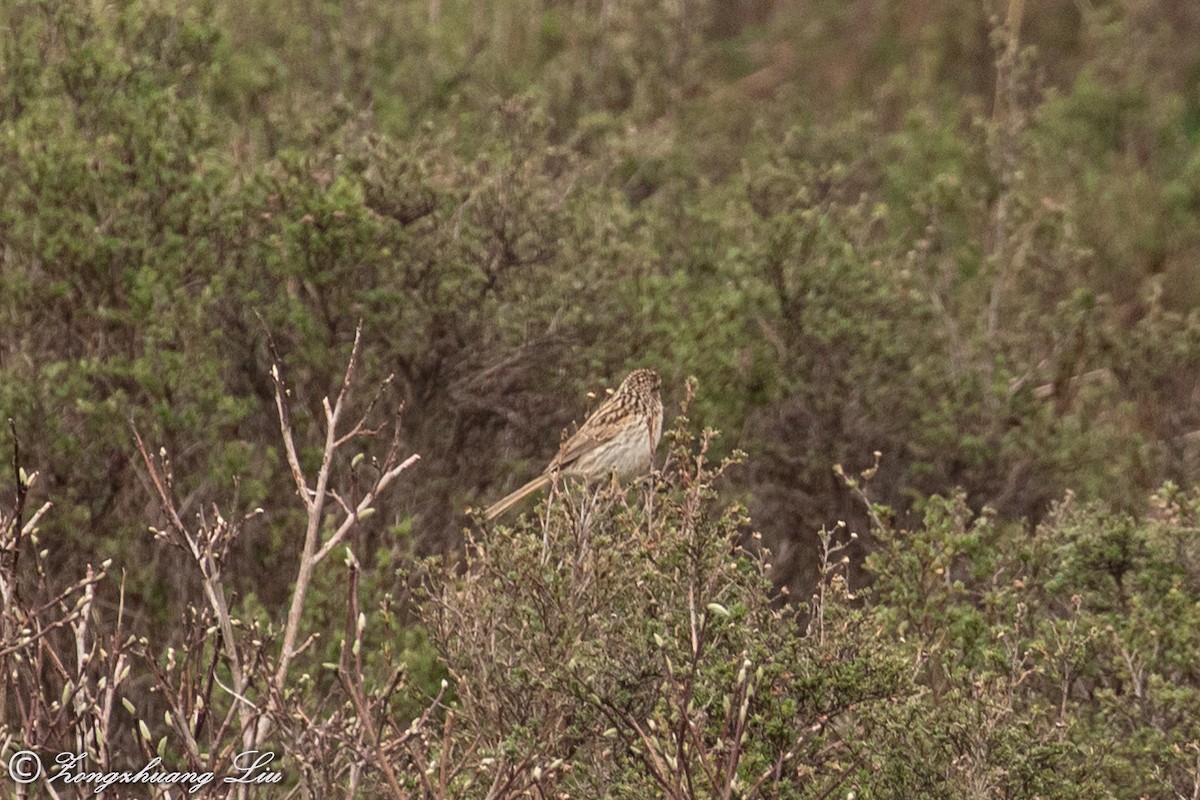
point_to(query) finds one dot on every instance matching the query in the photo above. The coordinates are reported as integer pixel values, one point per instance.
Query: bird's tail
(499, 507)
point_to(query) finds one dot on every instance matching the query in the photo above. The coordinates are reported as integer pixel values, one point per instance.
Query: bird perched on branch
(620, 437)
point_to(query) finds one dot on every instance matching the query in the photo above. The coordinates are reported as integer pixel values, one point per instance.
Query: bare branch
(366, 502)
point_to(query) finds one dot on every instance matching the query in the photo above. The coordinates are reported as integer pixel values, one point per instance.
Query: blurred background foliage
(876, 225)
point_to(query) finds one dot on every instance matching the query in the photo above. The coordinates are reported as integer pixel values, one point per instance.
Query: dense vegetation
(953, 246)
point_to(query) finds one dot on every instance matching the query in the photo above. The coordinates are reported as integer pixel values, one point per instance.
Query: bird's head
(644, 381)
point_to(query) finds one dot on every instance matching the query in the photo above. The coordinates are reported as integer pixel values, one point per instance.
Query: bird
(619, 437)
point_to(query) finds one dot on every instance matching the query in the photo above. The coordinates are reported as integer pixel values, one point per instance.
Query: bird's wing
(599, 428)
(573, 448)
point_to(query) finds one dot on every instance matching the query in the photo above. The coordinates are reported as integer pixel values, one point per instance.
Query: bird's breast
(628, 454)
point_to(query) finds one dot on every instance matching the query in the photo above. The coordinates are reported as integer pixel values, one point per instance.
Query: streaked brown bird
(620, 437)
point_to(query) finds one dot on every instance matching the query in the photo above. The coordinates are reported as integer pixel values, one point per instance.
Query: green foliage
(890, 229)
(900, 271)
(1046, 644)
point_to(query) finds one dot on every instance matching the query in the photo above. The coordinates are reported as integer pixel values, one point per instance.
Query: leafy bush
(628, 646)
